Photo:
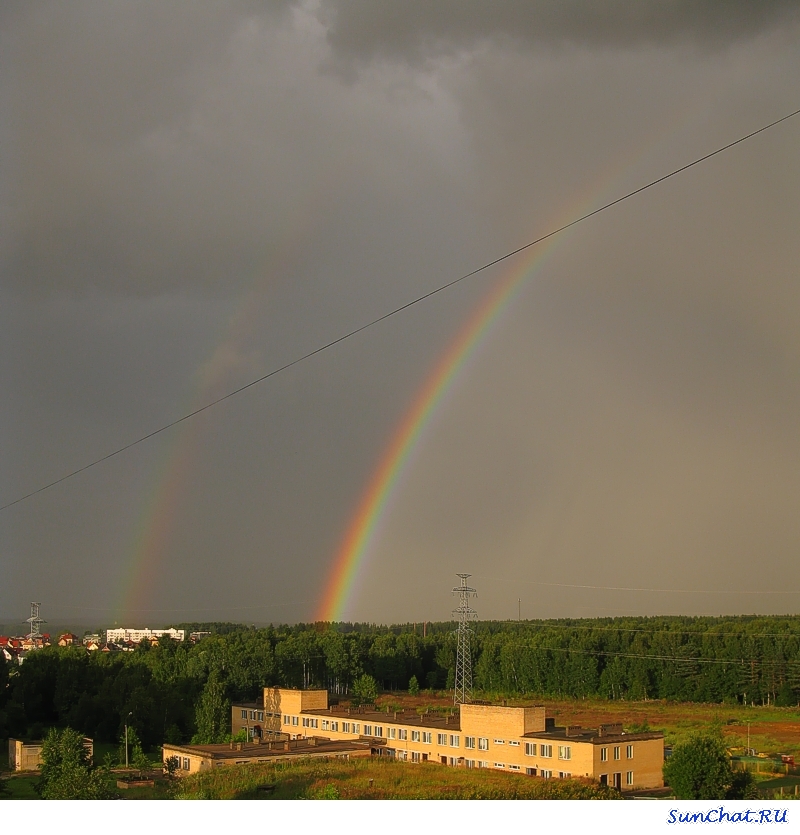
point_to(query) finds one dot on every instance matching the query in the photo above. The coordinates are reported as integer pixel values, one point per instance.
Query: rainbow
(372, 507)
(361, 533)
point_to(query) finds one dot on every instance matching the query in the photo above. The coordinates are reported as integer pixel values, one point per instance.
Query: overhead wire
(395, 311)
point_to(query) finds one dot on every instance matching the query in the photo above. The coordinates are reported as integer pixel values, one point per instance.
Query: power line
(397, 310)
(683, 659)
(630, 588)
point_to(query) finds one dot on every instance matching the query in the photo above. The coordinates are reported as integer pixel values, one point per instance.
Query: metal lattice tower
(35, 621)
(465, 615)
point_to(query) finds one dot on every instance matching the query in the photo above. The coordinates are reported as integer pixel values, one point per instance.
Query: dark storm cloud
(119, 176)
(363, 28)
(191, 198)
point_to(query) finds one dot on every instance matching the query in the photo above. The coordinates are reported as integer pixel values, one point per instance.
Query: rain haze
(194, 194)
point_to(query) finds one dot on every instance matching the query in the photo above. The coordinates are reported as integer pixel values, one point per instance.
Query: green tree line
(177, 692)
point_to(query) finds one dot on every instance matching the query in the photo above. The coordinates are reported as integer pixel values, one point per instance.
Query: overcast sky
(193, 194)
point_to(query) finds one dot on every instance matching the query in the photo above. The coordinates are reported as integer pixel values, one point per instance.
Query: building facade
(118, 636)
(512, 739)
(27, 756)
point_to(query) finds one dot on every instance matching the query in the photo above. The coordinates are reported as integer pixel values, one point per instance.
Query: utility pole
(465, 614)
(519, 608)
(126, 737)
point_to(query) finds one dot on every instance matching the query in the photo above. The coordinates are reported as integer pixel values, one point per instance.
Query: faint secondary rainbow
(155, 526)
(362, 531)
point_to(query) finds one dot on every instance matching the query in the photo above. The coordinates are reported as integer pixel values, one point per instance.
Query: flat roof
(593, 735)
(265, 750)
(436, 721)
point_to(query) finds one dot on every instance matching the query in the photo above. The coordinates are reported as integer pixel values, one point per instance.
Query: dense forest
(177, 691)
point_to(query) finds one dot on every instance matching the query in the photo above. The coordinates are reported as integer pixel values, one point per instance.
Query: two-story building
(514, 739)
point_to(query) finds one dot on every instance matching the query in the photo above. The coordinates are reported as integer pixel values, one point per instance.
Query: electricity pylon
(465, 615)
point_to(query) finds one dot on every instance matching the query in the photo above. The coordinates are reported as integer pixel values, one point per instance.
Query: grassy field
(375, 779)
(773, 730)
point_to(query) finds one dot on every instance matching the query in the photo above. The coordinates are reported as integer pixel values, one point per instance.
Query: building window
(546, 750)
(499, 765)
(514, 767)
(287, 720)
(427, 736)
(326, 725)
(616, 752)
(295, 720)
(186, 764)
(565, 775)
(483, 743)
(335, 726)
(469, 741)
(546, 774)
(368, 730)
(356, 728)
(390, 732)
(513, 742)
(455, 741)
(416, 757)
(530, 749)
(315, 723)
(470, 763)
(260, 715)
(452, 761)
(603, 755)
(402, 755)
(244, 714)
(252, 714)
(629, 778)
(415, 735)
(499, 742)
(441, 739)
(379, 730)
(483, 764)
(565, 752)
(346, 727)
(531, 772)
(629, 752)
(402, 733)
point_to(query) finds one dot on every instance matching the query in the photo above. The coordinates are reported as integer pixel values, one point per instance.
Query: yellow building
(27, 756)
(514, 739)
(189, 759)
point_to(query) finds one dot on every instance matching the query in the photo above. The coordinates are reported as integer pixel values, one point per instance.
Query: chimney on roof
(573, 730)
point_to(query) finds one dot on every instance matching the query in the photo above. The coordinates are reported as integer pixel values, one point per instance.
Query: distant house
(67, 639)
(92, 645)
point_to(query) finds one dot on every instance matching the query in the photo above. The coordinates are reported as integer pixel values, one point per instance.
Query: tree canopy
(67, 771)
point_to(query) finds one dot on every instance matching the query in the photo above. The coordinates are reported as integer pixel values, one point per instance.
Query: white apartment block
(115, 636)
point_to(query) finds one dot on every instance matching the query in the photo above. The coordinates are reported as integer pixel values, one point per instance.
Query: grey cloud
(420, 28)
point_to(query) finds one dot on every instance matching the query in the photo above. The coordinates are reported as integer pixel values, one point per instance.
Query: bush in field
(67, 773)
(700, 769)
(413, 686)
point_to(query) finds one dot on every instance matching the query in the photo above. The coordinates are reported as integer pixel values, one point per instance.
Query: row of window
(617, 750)
(615, 779)
(256, 715)
(453, 740)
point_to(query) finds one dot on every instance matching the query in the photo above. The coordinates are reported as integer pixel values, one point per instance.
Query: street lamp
(126, 738)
